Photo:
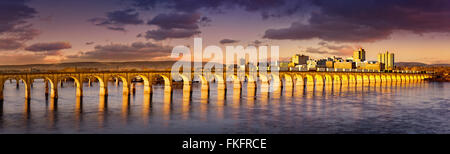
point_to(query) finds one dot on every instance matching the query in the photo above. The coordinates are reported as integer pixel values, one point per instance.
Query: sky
(55, 31)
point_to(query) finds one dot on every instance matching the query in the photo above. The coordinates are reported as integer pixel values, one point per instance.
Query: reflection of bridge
(282, 78)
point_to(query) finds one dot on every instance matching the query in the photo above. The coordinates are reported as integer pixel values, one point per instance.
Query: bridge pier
(103, 89)
(148, 89)
(1, 91)
(378, 79)
(252, 85)
(46, 87)
(89, 82)
(54, 92)
(315, 79)
(126, 87)
(133, 88)
(79, 86)
(27, 90)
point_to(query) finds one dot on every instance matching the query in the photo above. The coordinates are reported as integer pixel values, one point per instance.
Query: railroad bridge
(282, 78)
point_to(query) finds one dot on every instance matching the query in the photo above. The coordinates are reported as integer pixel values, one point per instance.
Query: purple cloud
(362, 21)
(116, 20)
(228, 41)
(14, 29)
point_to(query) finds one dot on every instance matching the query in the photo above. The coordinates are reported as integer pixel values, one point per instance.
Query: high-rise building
(359, 55)
(387, 59)
(298, 59)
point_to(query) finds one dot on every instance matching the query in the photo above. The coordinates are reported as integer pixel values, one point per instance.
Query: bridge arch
(103, 85)
(372, 79)
(394, 78)
(147, 80)
(337, 79)
(27, 86)
(318, 79)
(167, 81)
(126, 83)
(263, 78)
(186, 79)
(309, 80)
(299, 80)
(202, 79)
(345, 79)
(403, 78)
(408, 78)
(328, 79)
(352, 78)
(235, 80)
(388, 78)
(367, 79)
(287, 79)
(377, 78)
(383, 79)
(250, 78)
(359, 79)
(219, 80)
(78, 83)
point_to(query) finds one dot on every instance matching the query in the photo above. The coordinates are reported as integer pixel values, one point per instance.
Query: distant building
(359, 55)
(298, 59)
(329, 64)
(344, 65)
(321, 63)
(372, 65)
(311, 64)
(284, 65)
(387, 59)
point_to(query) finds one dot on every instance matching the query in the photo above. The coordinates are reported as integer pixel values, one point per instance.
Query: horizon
(47, 32)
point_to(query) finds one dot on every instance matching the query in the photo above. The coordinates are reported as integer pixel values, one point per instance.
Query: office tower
(359, 55)
(387, 59)
(390, 61)
(299, 59)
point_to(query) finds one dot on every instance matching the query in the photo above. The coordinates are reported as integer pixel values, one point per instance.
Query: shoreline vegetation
(441, 71)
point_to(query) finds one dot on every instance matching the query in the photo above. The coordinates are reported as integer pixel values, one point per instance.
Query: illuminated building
(372, 65)
(386, 59)
(298, 59)
(344, 65)
(329, 64)
(311, 64)
(359, 55)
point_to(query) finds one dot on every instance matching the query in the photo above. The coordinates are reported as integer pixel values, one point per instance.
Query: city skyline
(79, 31)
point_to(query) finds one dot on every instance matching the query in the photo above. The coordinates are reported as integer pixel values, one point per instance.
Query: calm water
(401, 108)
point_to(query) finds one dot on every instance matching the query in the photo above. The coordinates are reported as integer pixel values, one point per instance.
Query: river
(419, 107)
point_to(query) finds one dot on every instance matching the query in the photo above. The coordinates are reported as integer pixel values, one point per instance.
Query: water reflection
(125, 108)
(78, 112)
(249, 108)
(1, 109)
(146, 108)
(102, 111)
(53, 113)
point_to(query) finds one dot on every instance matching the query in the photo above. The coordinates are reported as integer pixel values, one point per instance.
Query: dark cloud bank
(331, 20)
(14, 29)
(175, 25)
(116, 20)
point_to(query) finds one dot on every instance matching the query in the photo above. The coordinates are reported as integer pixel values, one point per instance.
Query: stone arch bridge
(282, 78)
